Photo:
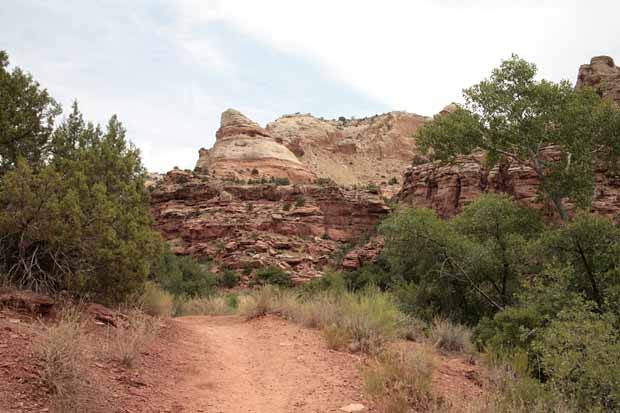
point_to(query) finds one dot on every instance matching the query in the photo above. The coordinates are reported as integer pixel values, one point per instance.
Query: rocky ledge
(244, 227)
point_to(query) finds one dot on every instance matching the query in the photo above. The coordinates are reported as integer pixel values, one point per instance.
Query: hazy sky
(169, 68)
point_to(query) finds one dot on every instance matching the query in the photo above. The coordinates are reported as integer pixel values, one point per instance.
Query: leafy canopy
(557, 131)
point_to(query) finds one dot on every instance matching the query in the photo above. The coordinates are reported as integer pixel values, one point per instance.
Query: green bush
(450, 337)
(184, 276)
(300, 201)
(274, 276)
(228, 278)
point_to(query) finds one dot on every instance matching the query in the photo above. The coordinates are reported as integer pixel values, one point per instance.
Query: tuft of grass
(370, 318)
(451, 337)
(155, 301)
(125, 342)
(64, 362)
(401, 381)
(215, 305)
(261, 302)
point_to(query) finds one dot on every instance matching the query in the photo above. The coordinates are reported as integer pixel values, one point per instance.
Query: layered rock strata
(245, 227)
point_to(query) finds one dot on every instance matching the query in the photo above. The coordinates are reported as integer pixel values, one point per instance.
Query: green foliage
(183, 276)
(287, 206)
(515, 118)
(81, 221)
(228, 278)
(591, 245)
(273, 276)
(393, 181)
(581, 355)
(279, 181)
(27, 114)
(300, 201)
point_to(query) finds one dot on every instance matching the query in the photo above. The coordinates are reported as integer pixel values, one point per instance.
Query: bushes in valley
(228, 278)
(184, 276)
(273, 275)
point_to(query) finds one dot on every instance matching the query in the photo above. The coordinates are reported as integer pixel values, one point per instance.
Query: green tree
(505, 230)
(80, 221)
(27, 114)
(557, 131)
(591, 245)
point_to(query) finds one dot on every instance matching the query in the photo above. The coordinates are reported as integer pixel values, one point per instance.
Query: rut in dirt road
(266, 365)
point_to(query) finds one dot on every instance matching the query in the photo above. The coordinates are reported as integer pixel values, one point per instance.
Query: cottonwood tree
(556, 130)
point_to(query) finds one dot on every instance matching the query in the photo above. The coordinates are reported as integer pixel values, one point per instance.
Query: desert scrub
(125, 342)
(451, 337)
(369, 318)
(259, 303)
(214, 305)
(155, 301)
(64, 361)
(400, 381)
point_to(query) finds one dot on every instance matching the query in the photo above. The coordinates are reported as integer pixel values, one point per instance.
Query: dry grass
(155, 301)
(64, 362)
(451, 337)
(259, 303)
(401, 382)
(125, 342)
(216, 305)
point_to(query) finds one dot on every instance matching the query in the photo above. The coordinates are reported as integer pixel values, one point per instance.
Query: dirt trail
(225, 364)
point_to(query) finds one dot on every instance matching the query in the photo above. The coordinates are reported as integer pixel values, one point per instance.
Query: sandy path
(267, 365)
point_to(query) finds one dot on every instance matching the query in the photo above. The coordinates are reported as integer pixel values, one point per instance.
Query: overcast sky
(169, 68)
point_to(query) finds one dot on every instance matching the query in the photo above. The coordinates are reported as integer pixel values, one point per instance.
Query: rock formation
(244, 227)
(602, 75)
(244, 150)
(373, 150)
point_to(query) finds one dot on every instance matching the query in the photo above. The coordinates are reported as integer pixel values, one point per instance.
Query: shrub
(273, 275)
(155, 301)
(401, 381)
(64, 362)
(228, 278)
(300, 201)
(259, 303)
(287, 206)
(324, 182)
(126, 341)
(214, 305)
(393, 181)
(184, 276)
(450, 337)
(280, 181)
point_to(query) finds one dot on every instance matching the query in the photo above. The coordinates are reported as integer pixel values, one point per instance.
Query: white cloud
(418, 55)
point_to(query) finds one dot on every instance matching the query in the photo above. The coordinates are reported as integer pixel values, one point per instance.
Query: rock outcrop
(245, 227)
(603, 75)
(373, 150)
(243, 150)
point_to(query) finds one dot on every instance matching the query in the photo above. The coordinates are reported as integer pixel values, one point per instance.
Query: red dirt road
(269, 365)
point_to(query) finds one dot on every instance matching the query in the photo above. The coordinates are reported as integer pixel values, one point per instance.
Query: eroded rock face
(603, 75)
(244, 150)
(245, 227)
(348, 151)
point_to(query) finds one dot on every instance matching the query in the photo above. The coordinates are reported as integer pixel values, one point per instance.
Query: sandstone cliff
(349, 151)
(244, 150)
(244, 227)
(374, 150)
(602, 75)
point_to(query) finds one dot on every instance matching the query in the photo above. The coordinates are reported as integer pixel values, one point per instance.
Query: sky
(169, 68)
